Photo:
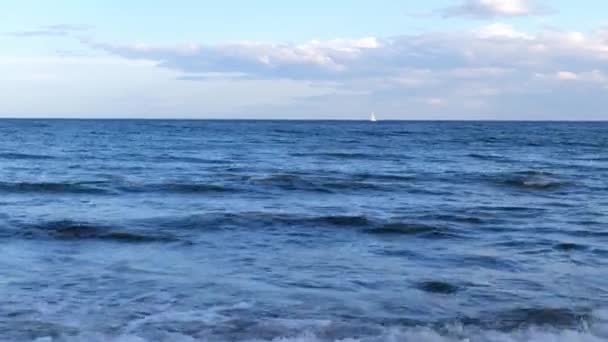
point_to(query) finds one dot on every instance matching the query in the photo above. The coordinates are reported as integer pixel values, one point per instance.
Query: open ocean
(126, 230)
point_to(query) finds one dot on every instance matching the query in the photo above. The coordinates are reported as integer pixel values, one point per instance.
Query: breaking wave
(215, 325)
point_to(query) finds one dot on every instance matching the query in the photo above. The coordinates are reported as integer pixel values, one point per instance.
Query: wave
(336, 155)
(340, 220)
(24, 156)
(257, 220)
(384, 177)
(71, 230)
(414, 229)
(178, 188)
(290, 182)
(110, 188)
(454, 218)
(191, 160)
(318, 184)
(52, 187)
(215, 324)
(489, 157)
(268, 220)
(532, 180)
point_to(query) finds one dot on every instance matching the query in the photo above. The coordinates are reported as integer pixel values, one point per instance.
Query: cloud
(499, 30)
(495, 71)
(314, 59)
(566, 76)
(493, 8)
(492, 49)
(59, 30)
(590, 77)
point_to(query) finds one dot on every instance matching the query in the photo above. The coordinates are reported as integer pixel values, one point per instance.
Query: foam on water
(286, 330)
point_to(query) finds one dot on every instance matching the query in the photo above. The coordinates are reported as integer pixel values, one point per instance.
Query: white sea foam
(391, 335)
(316, 331)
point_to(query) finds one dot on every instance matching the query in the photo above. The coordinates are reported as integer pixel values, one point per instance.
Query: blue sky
(441, 59)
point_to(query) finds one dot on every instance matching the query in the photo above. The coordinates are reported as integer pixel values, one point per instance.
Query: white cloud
(593, 76)
(491, 51)
(506, 7)
(566, 76)
(499, 30)
(493, 8)
(314, 58)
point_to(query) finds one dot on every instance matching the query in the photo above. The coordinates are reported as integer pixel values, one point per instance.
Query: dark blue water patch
(25, 187)
(421, 230)
(72, 230)
(24, 156)
(337, 155)
(490, 157)
(384, 177)
(290, 182)
(600, 252)
(113, 188)
(349, 155)
(570, 247)
(257, 220)
(398, 228)
(187, 159)
(510, 209)
(438, 287)
(340, 220)
(397, 253)
(176, 188)
(315, 184)
(589, 233)
(523, 244)
(456, 218)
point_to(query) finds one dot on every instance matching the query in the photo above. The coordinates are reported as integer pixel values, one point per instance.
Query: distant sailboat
(372, 117)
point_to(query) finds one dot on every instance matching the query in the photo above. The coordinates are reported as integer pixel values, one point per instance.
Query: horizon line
(291, 119)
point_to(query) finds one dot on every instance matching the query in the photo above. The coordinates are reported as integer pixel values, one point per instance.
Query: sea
(152, 230)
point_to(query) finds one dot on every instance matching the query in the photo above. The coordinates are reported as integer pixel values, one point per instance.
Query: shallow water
(303, 231)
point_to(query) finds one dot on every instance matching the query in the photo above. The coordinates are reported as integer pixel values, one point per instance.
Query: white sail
(372, 117)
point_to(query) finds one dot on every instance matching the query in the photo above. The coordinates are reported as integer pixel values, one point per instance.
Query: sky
(340, 59)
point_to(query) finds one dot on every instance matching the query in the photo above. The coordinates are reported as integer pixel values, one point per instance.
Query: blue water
(303, 231)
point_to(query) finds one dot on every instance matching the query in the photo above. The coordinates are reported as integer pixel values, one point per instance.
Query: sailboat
(372, 117)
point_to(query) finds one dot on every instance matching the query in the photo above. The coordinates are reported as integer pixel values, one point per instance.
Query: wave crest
(70, 230)
(532, 180)
(52, 187)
